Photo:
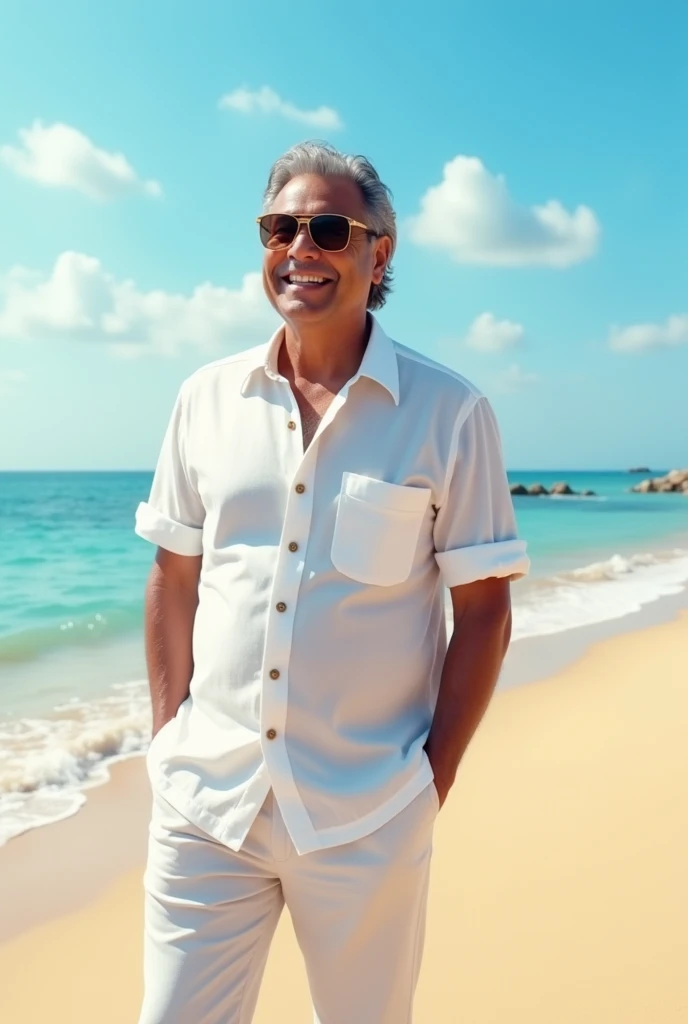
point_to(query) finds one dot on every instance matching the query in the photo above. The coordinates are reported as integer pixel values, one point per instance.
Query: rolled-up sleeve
(475, 527)
(173, 515)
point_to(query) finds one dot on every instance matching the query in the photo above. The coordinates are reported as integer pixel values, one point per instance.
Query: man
(312, 499)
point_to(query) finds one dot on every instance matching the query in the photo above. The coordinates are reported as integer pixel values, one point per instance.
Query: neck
(327, 354)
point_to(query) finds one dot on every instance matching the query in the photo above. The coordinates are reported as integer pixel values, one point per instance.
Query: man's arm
(170, 610)
(482, 631)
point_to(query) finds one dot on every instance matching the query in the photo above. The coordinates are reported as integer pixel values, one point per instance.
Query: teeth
(305, 279)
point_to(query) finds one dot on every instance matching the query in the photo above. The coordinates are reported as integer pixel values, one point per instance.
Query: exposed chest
(313, 401)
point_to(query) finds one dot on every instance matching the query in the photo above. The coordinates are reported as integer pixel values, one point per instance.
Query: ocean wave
(613, 568)
(46, 763)
(598, 592)
(69, 629)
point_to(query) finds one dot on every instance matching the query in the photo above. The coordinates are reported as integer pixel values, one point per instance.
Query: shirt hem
(320, 839)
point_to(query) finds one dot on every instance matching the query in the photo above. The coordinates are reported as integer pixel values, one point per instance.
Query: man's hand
(443, 778)
(482, 630)
(157, 726)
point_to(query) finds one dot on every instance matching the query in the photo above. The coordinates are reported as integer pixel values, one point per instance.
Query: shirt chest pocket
(377, 529)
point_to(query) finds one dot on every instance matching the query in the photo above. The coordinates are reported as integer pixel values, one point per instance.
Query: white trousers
(358, 912)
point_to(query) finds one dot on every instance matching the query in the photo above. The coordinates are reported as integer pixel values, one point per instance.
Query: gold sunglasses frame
(307, 221)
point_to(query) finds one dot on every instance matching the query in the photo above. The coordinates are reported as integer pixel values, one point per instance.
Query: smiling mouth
(306, 280)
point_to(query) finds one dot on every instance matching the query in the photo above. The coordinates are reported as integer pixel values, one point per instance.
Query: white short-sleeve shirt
(320, 633)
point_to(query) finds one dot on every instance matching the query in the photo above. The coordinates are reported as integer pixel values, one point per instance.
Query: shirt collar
(379, 361)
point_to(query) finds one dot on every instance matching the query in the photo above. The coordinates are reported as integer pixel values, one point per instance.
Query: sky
(536, 151)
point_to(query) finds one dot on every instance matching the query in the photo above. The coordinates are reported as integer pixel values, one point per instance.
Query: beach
(418, 370)
(558, 890)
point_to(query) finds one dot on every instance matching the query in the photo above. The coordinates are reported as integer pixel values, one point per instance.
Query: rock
(536, 490)
(676, 481)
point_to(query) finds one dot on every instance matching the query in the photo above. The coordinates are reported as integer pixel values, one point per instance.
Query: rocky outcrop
(539, 490)
(674, 482)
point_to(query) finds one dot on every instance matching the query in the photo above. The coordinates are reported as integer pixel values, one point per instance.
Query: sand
(559, 891)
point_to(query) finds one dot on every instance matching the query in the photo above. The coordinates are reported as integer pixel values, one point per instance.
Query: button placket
(278, 641)
(293, 423)
(279, 634)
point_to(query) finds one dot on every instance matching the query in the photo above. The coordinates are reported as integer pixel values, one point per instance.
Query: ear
(382, 254)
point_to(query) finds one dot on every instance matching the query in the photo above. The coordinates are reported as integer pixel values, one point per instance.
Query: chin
(297, 309)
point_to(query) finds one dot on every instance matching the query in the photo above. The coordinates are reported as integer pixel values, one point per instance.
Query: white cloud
(471, 215)
(267, 101)
(515, 379)
(638, 337)
(58, 155)
(487, 334)
(79, 299)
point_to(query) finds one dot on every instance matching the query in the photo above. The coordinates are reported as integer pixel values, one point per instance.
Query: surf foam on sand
(46, 763)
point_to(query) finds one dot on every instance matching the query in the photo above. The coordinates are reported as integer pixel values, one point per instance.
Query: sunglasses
(331, 232)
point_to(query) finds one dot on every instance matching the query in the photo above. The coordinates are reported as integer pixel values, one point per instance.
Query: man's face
(347, 275)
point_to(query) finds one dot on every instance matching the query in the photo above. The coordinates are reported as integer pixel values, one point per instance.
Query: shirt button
(300, 488)
(291, 425)
(281, 606)
(271, 733)
(293, 546)
(274, 673)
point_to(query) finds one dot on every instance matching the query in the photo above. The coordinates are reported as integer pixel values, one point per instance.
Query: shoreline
(533, 659)
(528, 660)
(558, 868)
(86, 852)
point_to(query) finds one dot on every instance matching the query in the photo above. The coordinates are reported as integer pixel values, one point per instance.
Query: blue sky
(536, 151)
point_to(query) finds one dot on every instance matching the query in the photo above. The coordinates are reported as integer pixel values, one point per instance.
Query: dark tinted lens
(278, 230)
(330, 232)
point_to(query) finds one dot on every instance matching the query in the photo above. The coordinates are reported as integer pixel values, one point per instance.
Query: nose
(303, 246)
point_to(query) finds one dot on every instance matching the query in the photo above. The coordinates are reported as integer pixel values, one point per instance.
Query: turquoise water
(73, 572)
(72, 569)
(562, 532)
(73, 696)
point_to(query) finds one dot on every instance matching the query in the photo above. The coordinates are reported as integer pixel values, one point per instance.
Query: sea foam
(598, 592)
(46, 763)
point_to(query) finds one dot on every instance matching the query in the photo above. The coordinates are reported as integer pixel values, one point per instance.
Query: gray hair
(324, 160)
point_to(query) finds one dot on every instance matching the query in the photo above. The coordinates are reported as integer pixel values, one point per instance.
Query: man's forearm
(169, 619)
(471, 670)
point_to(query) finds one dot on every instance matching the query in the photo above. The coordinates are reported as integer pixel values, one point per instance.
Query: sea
(73, 693)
